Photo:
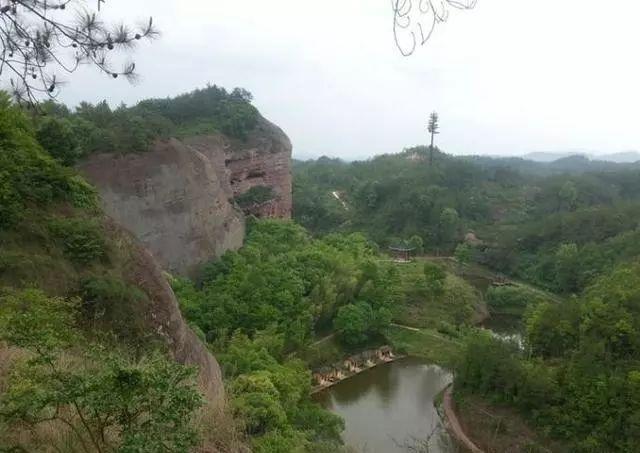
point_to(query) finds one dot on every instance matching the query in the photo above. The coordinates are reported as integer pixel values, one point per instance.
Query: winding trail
(413, 329)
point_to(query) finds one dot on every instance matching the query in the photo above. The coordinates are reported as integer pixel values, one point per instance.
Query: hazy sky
(509, 77)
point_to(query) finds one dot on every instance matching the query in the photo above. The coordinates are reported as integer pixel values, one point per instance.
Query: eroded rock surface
(178, 197)
(166, 321)
(264, 159)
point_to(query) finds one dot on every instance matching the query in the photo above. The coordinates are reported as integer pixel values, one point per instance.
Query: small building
(321, 376)
(401, 254)
(385, 353)
(352, 364)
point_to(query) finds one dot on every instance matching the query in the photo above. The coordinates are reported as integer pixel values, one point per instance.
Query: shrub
(101, 401)
(255, 196)
(82, 240)
(57, 137)
(112, 304)
(512, 299)
(28, 175)
(448, 329)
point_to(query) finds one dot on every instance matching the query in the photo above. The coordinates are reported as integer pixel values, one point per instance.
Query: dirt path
(336, 195)
(425, 332)
(453, 425)
(322, 340)
(413, 329)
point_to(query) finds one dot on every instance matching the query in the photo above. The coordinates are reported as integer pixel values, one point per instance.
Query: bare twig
(415, 20)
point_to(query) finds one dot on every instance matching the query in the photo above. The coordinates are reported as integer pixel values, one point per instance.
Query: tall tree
(41, 38)
(433, 129)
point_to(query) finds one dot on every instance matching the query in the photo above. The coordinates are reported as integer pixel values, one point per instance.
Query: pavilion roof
(401, 248)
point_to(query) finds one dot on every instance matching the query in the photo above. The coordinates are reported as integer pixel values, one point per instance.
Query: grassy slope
(425, 343)
(426, 326)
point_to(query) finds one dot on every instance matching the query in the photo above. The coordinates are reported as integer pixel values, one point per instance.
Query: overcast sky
(509, 77)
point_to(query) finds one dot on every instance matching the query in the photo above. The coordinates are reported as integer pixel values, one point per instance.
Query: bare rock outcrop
(178, 197)
(263, 160)
(165, 320)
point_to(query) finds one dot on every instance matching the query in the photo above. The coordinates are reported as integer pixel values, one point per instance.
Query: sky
(507, 78)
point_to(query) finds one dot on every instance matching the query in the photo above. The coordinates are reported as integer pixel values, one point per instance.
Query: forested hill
(72, 134)
(576, 164)
(557, 230)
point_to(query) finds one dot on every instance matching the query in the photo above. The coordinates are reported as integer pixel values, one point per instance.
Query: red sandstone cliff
(164, 319)
(178, 197)
(264, 159)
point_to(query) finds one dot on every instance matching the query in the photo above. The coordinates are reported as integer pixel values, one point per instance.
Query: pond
(391, 407)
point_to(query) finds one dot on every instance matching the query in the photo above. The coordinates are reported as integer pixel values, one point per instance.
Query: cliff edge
(185, 200)
(164, 318)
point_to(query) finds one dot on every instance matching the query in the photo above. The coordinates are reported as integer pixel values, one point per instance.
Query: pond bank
(453, 424)
(390, 408)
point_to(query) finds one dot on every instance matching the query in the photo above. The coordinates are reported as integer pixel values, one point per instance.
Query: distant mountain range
(623, 157)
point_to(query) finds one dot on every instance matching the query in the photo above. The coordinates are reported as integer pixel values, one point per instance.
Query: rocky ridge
(178, 197)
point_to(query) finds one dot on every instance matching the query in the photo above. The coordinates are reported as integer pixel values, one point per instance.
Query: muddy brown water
(391, 407)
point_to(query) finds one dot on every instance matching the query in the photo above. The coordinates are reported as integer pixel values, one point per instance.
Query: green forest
(79, 370)
(77, 347)
(71, 134)
(173, 278)
(71, 318)
(558, 231)
(569, 229)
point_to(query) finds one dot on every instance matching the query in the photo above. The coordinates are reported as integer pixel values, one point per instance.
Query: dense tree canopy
(590, 396)
(282, 277)
(69, 135)
(558, 231)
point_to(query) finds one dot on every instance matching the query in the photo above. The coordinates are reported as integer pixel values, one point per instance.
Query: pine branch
(41, 38)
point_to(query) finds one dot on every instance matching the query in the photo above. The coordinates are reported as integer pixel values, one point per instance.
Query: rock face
(263, 160)
(178, 197)
(164, 318)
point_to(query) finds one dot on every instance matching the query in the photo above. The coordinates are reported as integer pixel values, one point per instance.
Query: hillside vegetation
(69, 135)
(263, 307)
(573, 231)
(556, 231)
(84, 370)
(81, 368)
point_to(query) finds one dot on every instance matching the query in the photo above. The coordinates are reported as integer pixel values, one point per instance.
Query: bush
(28, 175)
(99, 400)
(82, 240)
(113, 305)
(255, 196)
(448, 329)
(435, 277)
(513, 299)
(56, 135)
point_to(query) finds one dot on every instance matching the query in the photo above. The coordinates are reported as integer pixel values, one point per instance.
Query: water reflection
(390, 407)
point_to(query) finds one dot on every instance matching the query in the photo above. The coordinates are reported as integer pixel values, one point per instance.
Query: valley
(183, 269)
(197, 252)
